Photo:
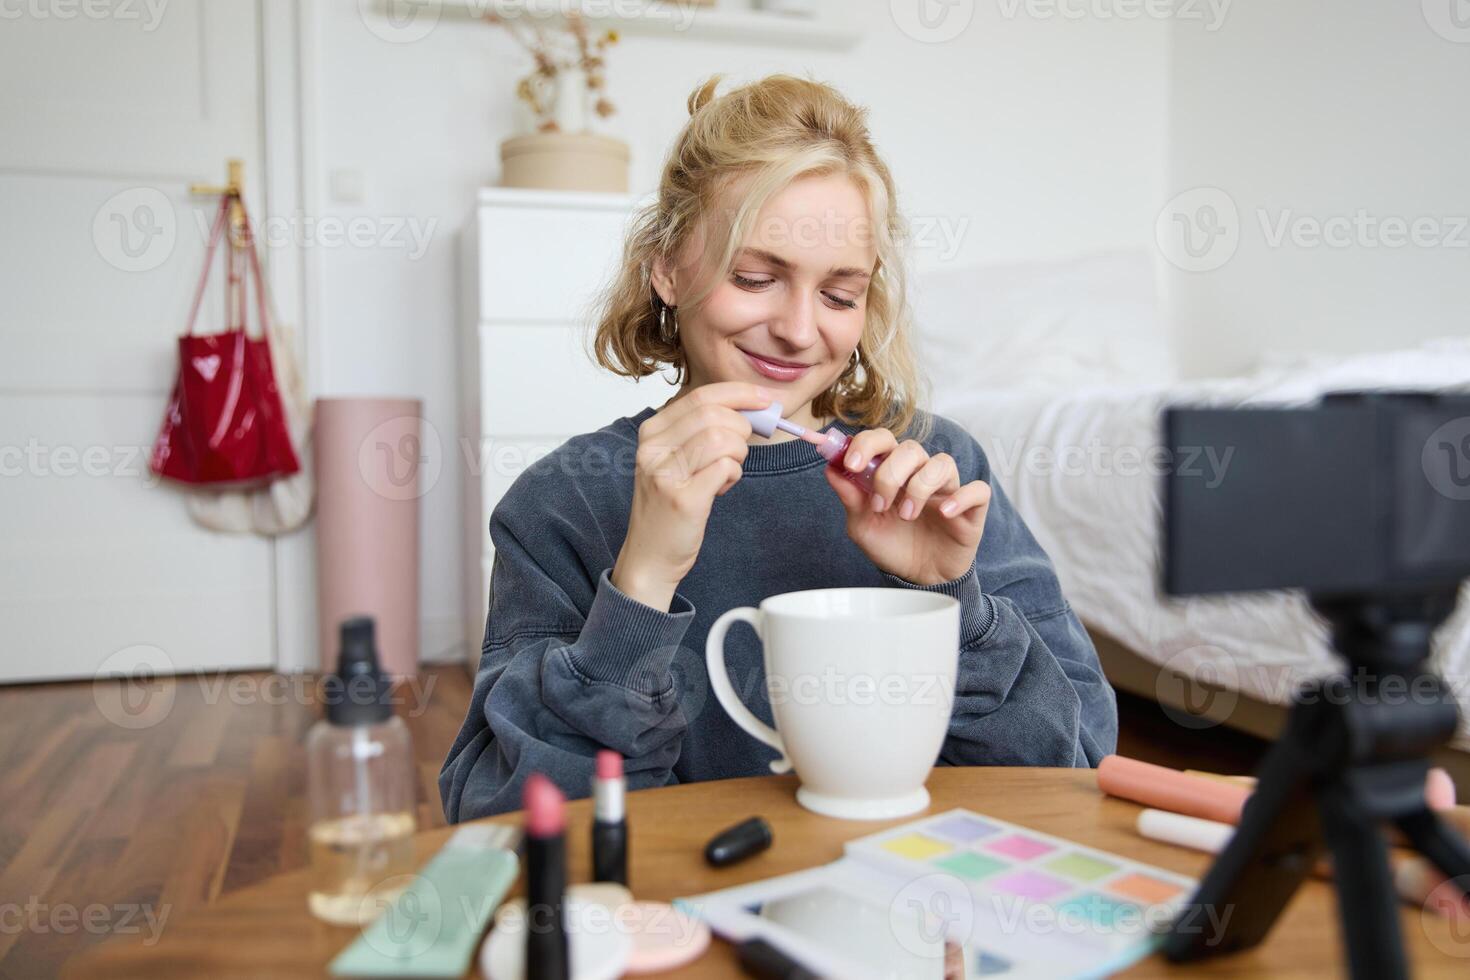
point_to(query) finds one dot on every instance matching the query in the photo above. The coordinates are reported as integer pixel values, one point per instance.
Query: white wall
(1308, 111)
(1025, 136)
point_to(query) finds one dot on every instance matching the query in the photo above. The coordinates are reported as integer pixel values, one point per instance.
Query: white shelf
(675, 20)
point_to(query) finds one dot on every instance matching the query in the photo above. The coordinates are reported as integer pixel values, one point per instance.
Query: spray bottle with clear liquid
(360, 774)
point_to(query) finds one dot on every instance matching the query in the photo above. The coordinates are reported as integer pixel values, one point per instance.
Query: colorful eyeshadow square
(1030, 884)
(972, 866)
(916, 846)
(1144, 888)
(1081, 867)
(1019, 846)
(1100, 910)
(963, 829)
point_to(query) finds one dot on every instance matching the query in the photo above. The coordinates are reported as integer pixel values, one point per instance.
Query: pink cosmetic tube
(1169, 789)
(832, 446)
(1210, 799)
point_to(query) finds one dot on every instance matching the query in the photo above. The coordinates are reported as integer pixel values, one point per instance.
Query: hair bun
(704, 94)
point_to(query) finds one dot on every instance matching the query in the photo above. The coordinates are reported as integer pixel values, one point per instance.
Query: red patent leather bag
(225, 423)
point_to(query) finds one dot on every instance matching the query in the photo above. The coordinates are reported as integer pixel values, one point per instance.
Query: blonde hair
(755, 140)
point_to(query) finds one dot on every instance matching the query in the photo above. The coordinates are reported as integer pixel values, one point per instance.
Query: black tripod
(1355, 753)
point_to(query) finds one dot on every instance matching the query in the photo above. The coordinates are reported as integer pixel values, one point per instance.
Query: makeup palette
(1074, 895)
(1006, 900)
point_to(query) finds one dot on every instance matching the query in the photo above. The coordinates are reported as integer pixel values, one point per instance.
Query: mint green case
(434, 925)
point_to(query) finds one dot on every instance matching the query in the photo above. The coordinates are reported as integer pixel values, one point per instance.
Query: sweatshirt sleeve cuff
(977, 610)
(628, 643)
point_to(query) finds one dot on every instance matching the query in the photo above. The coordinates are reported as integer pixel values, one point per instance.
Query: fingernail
(947, 509)
(907, 510)
(766, 392)
(854, 460)
(878, 504)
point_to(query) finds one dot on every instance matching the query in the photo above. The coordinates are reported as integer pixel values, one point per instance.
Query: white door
(109, 111)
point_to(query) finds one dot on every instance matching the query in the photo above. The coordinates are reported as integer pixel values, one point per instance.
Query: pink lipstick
(546, 878)
(832, 446)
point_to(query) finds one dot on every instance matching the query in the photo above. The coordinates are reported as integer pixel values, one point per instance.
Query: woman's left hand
(920, 523)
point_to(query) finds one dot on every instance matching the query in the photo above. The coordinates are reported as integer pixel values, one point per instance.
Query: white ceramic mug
(861, 684)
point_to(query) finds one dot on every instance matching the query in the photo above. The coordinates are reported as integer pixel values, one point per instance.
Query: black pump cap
(358, 693)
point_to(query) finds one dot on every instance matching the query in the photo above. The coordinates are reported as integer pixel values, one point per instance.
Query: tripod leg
(1279, 838)
(1366, 903)
(1440, 843)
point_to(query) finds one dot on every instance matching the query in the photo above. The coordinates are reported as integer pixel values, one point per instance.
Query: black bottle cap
(358, 693)
(738, 842)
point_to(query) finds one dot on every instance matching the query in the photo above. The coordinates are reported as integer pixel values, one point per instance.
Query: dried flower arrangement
(553, 52)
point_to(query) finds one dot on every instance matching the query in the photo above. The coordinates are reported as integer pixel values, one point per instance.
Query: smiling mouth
(774, 360)
(781, 371)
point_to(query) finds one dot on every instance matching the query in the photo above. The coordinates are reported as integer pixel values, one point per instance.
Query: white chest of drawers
(534, 265)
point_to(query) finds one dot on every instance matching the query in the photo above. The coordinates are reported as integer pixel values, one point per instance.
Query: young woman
(769, 268)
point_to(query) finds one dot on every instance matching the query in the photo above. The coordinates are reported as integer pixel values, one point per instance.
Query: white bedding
(1075, 462)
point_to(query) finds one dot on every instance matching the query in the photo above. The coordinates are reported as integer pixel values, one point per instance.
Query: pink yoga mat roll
(368, 453)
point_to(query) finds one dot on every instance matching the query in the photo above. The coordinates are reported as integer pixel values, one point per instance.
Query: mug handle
(714, 655)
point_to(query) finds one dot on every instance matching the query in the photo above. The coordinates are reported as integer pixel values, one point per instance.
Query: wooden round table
(266, 931)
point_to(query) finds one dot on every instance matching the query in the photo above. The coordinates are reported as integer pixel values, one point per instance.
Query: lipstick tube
(547, 957)
(609, 820)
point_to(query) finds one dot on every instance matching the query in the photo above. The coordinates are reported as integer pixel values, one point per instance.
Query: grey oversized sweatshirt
(570, 664)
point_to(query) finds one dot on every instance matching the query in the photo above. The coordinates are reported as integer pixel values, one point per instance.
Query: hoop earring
(663, 314)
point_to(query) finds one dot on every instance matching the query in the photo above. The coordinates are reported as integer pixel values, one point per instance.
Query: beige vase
(565, 162)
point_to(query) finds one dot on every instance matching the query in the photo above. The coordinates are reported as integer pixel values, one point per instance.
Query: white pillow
(1042, 325)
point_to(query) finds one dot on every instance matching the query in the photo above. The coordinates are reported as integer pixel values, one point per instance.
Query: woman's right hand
(689, 452)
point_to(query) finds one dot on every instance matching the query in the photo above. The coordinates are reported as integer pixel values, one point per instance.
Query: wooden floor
(121, 808)
(124, 806)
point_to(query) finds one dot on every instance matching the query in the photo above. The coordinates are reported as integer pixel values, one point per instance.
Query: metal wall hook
(234, 189)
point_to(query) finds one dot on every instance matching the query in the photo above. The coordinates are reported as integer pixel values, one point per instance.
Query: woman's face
(791, 310)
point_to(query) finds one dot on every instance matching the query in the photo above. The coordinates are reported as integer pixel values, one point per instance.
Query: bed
(1069, 438)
